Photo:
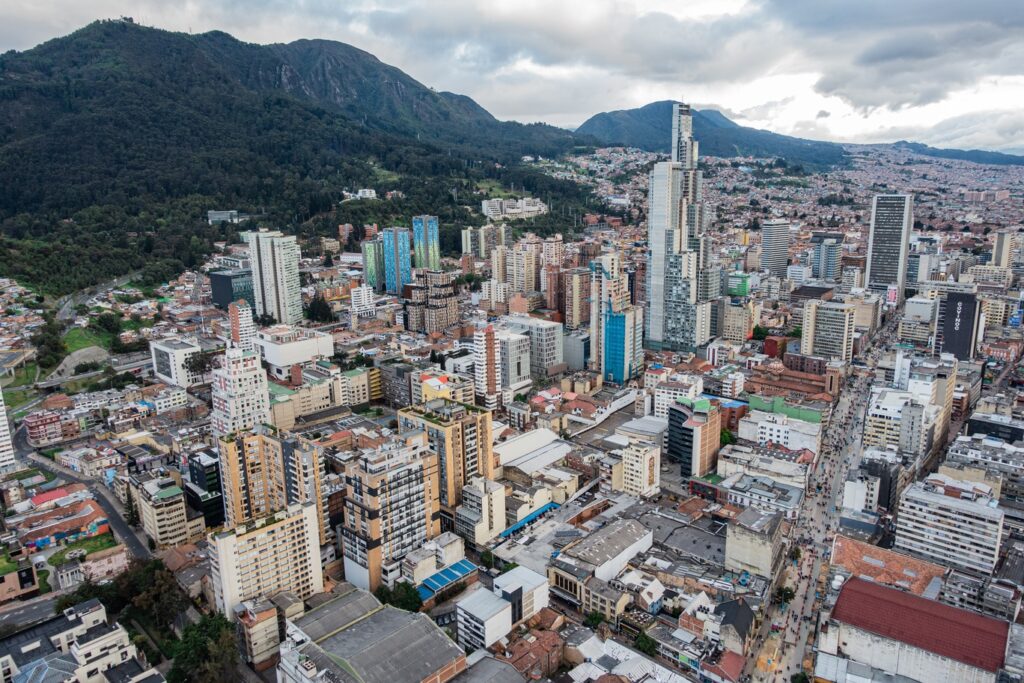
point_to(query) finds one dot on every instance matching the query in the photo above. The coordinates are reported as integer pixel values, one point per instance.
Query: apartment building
(164, 513)
(481, 517)
(694, 435)
(275, 275)
(170, 357)
(391, 509)
(953, 523)
(641, 469)
(279, 552)
(460, 435)
(240, 396)
(264, 471)
(546, 354)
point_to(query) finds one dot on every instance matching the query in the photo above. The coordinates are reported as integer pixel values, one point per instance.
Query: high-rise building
(279, 552)
(171, 361)
(275, 275)
(641, 469)
(499, 263)
(397, 259)
(775, 246)
(950, 522)
(825, 259)
(487, 367)
(827, 330)
(6, 445)
(1003, 248)
(431, 304)
(263, 472)
(616, 326)
(546, 357)
(203, 491)
(460, 436)
(392, 509)
(515, 361)
(243, 329)
(666, 236)
(678, 315)
(694, 435)
(961, 324)
(576, 298)
(361, 301)
(524, 270)
(241, 399)
(373, 263)
(427, 242)
(892, 217)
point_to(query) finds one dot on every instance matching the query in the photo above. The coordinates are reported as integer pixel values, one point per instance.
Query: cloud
(834, 69)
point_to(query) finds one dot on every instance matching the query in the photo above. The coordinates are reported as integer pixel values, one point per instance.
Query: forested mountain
(116, 139)
(978, 156)
(650, 127)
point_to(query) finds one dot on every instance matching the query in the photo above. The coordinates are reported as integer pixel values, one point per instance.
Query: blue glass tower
(397, 259)
(427, 242)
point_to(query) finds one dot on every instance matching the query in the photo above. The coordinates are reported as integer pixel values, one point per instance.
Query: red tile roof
(960, 635)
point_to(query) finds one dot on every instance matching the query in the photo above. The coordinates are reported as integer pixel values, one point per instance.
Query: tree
(131, 513)
(784, 594)
(794, 553)
(760, 333)
(199, 363)
(162, 599)
(203, 653)
(487, 559)
(319, 310)
(800, 677)
(727, 437)
(594, 619)
(797, 331)
(646, 644)
(265, 320)
(403, 596)
(328, 260)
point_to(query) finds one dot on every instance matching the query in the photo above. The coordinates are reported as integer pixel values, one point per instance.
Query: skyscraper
(828, 250)
(616, 325)
(460, 436)
(6, 446)
(487, 367)
(678, 313)
(373, 263)
(1003, 248)
(828, 328)
(243, 330)
(397, 259)
(392, 494)
(892, 217)
(275, 275)
(240, 396)
(427, 242)
(775, 246)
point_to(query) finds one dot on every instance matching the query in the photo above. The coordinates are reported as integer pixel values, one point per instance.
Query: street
(17, 614)
(780, 655)
(136, 546)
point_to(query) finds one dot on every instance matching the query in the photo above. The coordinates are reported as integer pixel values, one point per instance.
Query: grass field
(23, 376)
(493, 189)
(89, 545)
(44, 581)
(15, 398)
(82, 337)
(7, 565)
(129, 324)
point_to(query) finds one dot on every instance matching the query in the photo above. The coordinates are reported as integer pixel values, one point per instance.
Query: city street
(111, 506)
(782, 654)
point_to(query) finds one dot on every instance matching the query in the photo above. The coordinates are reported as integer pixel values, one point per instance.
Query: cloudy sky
(937, 71)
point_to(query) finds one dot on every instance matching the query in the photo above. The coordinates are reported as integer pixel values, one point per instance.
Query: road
(66, 311)
(111, 506)
(29, 612)
(816, 525)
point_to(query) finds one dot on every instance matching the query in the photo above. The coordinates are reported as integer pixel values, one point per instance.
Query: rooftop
(609, 542)
(887, 567)
(958, 634)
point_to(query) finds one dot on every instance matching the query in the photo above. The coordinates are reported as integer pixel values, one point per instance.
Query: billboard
(960, 325)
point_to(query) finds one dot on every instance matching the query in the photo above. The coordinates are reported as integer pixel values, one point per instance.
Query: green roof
(278, 390)
(168, 492)
(711, 478)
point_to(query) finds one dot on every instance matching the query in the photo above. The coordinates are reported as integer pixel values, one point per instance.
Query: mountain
(116, 139)
(978, 156)
(650, 127)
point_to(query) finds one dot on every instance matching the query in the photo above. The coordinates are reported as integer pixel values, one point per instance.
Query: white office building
(892, 218)
(282, 346)
(546, 356)
(363, 302)
(775, 246)
(953, 523)
(170, 361)
(483, 619)
(275, 275)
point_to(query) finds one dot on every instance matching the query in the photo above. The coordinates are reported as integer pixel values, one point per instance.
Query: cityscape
(580, 411)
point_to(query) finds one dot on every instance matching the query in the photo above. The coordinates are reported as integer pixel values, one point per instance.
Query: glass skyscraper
(397, 259)
(892, 216)
(426, 242)
(373, 263)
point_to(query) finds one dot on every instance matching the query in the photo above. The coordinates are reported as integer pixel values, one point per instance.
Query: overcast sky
(937, 71)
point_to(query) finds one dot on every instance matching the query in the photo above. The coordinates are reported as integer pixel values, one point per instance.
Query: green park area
(89, 545)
